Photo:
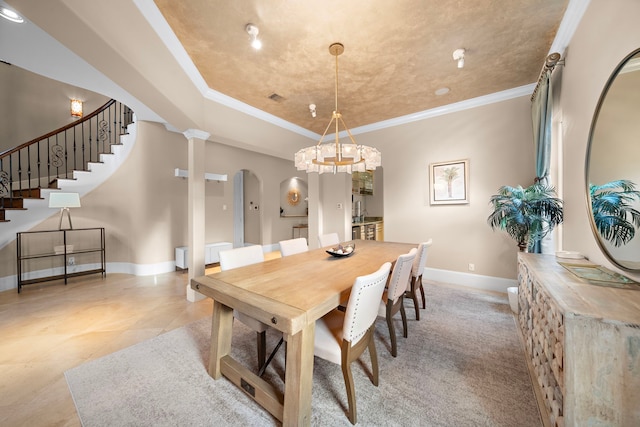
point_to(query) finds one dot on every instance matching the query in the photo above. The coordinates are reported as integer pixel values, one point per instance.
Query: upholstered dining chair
(392, 299)
(415, 284)
(293, 246)
(330, 239)
(240, 257)
(341, 337)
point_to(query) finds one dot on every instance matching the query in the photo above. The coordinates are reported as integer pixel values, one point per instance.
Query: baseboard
(487, 283)
(141, 269)
(11, 282)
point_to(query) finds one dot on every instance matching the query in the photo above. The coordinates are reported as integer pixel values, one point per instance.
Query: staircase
(75, 158)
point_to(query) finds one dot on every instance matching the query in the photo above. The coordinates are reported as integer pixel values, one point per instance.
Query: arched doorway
(247, 215)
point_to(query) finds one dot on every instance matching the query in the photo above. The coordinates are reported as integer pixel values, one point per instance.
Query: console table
(583, 344)
(59, 254)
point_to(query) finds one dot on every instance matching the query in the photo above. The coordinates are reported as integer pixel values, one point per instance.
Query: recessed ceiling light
(11, 15)
(442, 91)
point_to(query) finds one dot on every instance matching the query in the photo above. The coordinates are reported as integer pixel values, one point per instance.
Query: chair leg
(403, 314)
(348, 382)
(392, 329)
(414, 296)
(424, 302)
(270, 358)
(261, 339)
(374, 358)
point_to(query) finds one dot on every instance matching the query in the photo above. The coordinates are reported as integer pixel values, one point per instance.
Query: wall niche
(293, 198)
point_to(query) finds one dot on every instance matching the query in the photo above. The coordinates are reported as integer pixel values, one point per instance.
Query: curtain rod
(549, 64)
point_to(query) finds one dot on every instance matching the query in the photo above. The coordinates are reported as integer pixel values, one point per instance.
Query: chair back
(362, 308)
(293, 246)
(421, 259)
(239, 257)
(330, 239)
(400, 276)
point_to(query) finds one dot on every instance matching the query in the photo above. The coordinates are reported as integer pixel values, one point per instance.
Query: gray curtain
(541, 111)
(541, 115)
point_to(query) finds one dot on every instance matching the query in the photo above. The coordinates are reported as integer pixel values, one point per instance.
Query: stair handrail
(61, 156)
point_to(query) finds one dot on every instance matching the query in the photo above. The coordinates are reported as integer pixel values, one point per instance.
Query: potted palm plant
(526, 214)
(613, 215)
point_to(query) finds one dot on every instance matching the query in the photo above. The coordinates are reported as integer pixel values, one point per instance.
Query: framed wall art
(449, 182)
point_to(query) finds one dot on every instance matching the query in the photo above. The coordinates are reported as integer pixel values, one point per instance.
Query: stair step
(15, 203)
(28, 193)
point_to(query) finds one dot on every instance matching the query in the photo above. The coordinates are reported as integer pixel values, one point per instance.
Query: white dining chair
(392, 299)
(330, 239)
(293, 246)
(240, 257)
(341, 337)
(415, 284)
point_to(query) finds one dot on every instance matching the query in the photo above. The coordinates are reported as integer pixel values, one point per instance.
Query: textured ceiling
(397, 53)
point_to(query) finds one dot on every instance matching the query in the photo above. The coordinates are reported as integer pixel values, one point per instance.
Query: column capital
(196, 133)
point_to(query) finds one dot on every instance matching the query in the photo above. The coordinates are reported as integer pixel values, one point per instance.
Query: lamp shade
(64, 200)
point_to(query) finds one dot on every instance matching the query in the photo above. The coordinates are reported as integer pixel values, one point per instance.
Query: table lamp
(64, 201)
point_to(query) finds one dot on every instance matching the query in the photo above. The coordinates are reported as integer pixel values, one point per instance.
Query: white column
(196, 197)
(314, 218)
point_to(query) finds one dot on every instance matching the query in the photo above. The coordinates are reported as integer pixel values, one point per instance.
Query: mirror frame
(594, 122)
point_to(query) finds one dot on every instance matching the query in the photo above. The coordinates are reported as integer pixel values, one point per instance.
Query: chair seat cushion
(328, 337)
(252, 323)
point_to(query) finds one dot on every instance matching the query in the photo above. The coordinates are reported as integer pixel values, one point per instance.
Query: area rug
(462, 365)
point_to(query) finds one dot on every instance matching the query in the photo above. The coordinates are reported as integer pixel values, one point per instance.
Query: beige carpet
(462, 365)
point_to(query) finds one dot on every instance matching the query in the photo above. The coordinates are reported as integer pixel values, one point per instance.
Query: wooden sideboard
(583, 342)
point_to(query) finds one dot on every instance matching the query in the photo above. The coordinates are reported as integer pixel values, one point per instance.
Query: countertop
(578, 297)
(368, 220)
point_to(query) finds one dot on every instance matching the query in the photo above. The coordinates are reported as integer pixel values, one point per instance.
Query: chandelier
(336, 156)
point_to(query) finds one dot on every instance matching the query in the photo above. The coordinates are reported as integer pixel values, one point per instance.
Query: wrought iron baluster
(22, 167)
(28, 168)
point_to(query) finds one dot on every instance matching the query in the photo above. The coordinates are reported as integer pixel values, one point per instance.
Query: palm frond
(613, 213)
(526, 214)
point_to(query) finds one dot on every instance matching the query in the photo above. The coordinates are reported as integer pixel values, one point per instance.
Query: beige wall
(497, 141)
(32, 105)
(143, 206)
(605, 36)
(149, 220)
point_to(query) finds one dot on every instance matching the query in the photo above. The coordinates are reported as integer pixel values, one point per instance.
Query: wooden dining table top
(290, 292)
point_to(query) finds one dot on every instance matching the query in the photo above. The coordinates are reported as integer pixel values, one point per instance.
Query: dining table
(289, 294)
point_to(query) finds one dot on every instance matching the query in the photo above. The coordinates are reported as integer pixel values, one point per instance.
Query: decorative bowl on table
(342, 250)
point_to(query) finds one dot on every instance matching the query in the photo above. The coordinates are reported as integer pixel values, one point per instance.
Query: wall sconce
(64, 201)
(76, 108)
(312, 110)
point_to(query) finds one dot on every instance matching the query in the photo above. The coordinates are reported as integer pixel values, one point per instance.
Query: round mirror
(613, 166)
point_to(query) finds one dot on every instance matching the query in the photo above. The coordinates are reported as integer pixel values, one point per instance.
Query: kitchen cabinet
(369, 229)
(362, 183)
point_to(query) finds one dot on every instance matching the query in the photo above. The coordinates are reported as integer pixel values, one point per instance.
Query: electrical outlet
(472, 267)
(71, 261)
(339, 206)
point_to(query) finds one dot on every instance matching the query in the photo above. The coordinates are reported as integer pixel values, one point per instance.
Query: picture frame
(449, 182)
